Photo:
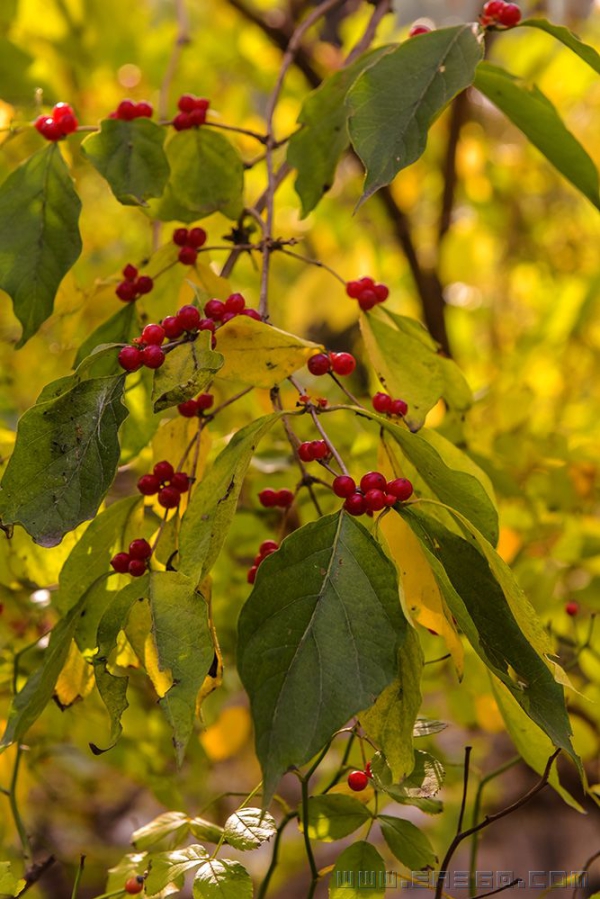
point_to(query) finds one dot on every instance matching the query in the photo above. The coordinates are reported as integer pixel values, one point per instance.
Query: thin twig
(326, 438)
(585, 870)
(501, 889)
(78, 877)
(463, 804)
(261, 138)
(182, 40)
(477, 808)
(14, 807)
(305, 825)
(316, 262)
(381, 10)
(32, 876)
(262, 892)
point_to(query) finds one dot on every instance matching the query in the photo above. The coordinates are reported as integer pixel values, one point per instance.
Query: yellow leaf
(509, 544)
(342, 789)
(204, 277)
(173, 438)
(258, 354)
(489, 716)
(76, 680)
(214, 678)
(139, 634)
(228, 735)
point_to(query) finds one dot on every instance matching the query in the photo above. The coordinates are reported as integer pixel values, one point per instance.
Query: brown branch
(33, 874)
(458, 116)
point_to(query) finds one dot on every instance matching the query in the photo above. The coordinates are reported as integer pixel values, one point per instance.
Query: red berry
(235, 303)
(127, 291)
(398, 407)
(368, 771)
(68, 124)
(268, 546)
(355, 504)
(372, 480)
(320, 449)
(319, 364)
(197, 117)
(187, 255)
(164, 471)
(144, 284)
(305, 452)
(510, 15)
(252, 574)
(227, 317)
(126, 110)
(344, 486)
(186, 103)
(493, 8)
(285, 498)
(61, 110)
(144, 110)
(180, 481)
(182, 122)
(169, 497)
(130, 272)
(148, 485)
(48, 128)
(419, 29)
(130, 358)
(201, 103)
(172, 327)
(367, 300)
(154, 334)
(572, 609)
(206, 324)
(188, 409)
(140, 549)
(215, 309)
(401, 488)
(180, 237)
(252, 313)
(268, 498)
(390, 499)
(381, 292)
(120, 562)
(358, 781)
(137, 567)
(353, 289)
(197, 238)
(204, 401)
(375, 500)
(153, 356)
(343, 363)
(382, 402)
(188, 318)
(134, 885)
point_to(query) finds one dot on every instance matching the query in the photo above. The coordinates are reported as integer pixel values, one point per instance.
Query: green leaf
(317, 640)
(390, 722)
(209, 515)
(65, 457)
(10, 885)
(186, 371)
(359, 873)
(394, 103)
(206, 831)
(424, 727)
(222, 879)
(207, 175)
(315, 150)
(173, 826)
(249, 827)
(407, 843)
(130, 156)
(39, 235)
(424, 782)
(119, 328)
(566, 37)
(184, 645)
(531, 111)
(334, 817)
(170, 867)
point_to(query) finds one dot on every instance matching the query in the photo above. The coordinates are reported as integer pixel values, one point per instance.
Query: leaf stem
(477, 811)
(14, 807)
(78, 876)
(307, 845)
(262, 892)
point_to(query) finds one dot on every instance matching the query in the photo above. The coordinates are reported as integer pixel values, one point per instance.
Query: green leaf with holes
(222, 879)
(188, 370)
(249, 828)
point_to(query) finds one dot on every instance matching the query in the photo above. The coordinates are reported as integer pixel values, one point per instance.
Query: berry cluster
(276, 498)
(359, 780)
(312, 450)
(127, 110)
(223, 311)
(168, 483)
(147, 351)
(58, 124)
(134, 885)
(192, 408)
(373, 494)
(500, 14)
(419, 29)
(382, 402)
(367, 292)
(192, 112)
(338, 363)
(265, 549)
(190, 242)
(133, 285)
(187, 320)
(135, 562)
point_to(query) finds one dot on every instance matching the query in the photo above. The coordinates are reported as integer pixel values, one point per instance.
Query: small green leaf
(249, 827)
(130, 156)
(222, 879)
(119, 328)
(206, 831)
(10, 885)
(173, 826)
(207, 175)
(424, 727)
(170, 867)
(334, 817)
(570, 40)
(186, 371)
(359, 873)
(39, 235)
(424, 782)
(395, 101)
(531, 111)
(317, 640)
(316, 148)
(408, 844)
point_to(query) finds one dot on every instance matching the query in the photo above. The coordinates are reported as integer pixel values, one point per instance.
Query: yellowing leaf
(228, 735)
(342, 789)
(172, 439)
(509, 544)
(76, 680)
(258, 354)
(489, 716)
(209, 282)
(139, 635)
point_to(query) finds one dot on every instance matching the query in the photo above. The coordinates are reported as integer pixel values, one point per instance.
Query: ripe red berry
(320, 450)
(358, 781)
(419, 29)
(61, 111)
(214, 309)
(268, 546)
(355, 504)
(130, 272)
(187, 255)
(367, 300)
(381, 292)
(285, 498)
(252, 313)
(401, 488)
(353, 289)
(493, 8)
(148, 485)
(153, 334)
(153, 356)
(186, 103)
(227, 316)
(180, 481)
(144, 284)
(169, 497)
(343, 363)
(127, 291)
(344, 486)
(126, 110)
(48, 128)
(197, 238)
(390, 499)
(572, 608)
(189, 318)
(130, 358)
(235, 303)
(189, 409)
(509, 15)
(164, 471)
(206, 324)
(305, 452)
(251, 577)
(140, 549)
(120, 562)
(382, 402)
(180, 237)
(172, 327)
(134, 885)
(144, 110)
(182, 122)
(204, 401)
(197, 117)
(268, 498)
(319, 364)
(372, 480)
(137, 567)
(68, 123)
(398, 407)
(375, 500)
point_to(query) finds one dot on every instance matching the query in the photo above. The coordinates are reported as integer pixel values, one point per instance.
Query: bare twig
(381, 10)
(182, 39)
(34, 873)
(463, 804)
(458, 114)
(324, 435)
